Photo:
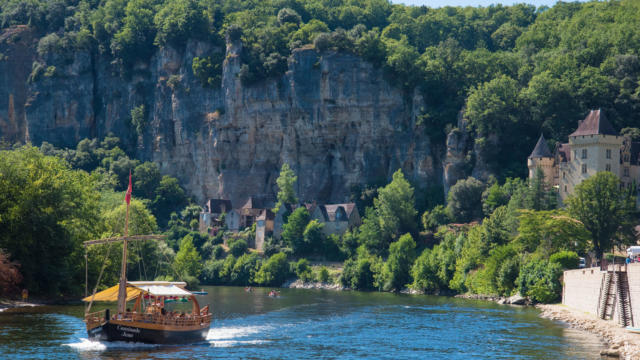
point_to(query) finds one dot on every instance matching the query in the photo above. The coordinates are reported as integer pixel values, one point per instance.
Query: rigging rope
(95, 289)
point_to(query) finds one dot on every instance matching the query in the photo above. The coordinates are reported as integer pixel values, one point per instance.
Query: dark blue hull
(118, 332)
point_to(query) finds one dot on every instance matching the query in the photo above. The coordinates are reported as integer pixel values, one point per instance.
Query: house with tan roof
(595, 146)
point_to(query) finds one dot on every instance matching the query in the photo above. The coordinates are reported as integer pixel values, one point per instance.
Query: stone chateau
(595, 146)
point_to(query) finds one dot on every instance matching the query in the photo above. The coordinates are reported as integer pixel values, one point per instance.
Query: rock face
(333, 117)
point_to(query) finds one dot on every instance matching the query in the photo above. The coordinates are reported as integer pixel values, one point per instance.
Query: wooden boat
(149, 321)
(632, 329)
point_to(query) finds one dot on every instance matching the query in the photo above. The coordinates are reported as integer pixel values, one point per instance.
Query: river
(303, 324)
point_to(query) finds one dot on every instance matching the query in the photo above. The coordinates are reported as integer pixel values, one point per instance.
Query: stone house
(595, 146)
(211, 216)
(247, 214)
(336, 218)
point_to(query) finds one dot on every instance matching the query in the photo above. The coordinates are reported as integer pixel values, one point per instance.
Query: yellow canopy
(111, 294)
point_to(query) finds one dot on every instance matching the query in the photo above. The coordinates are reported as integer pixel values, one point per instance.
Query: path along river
(303, 324)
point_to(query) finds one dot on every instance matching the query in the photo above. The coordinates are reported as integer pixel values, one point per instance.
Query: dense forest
(513, 72)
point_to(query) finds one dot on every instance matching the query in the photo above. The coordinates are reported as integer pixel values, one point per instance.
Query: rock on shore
(622, 343)
(299, 284)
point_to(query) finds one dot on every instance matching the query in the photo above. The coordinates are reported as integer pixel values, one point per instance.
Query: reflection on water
(313, 323)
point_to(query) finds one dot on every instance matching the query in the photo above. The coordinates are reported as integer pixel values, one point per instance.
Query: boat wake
(236, 335)
(92, 345)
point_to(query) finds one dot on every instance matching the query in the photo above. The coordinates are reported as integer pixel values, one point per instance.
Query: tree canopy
(606, 210)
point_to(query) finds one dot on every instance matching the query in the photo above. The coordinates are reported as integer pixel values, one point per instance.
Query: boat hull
(131, 333)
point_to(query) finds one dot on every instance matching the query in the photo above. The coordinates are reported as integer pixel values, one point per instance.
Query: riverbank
(6, 304)
(621, 343)
(299, 284)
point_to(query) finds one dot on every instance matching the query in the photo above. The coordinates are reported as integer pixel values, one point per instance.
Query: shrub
(138, 119)
(434, 218)
(238, 247)
(217, 252)
(361, 273)
(49, 44)
(274, 271)
(286, 15)
(303, 270)
(566, 259)
(211, 272)
(540, 280)
(322, 42)
(208, 70)
(245, 269)
(323, 274)
(234, 32)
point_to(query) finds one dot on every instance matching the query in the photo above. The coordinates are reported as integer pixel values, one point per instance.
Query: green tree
(141, 220)
(285, 181)
(46, 211)
(464, 202)
(293, 230)
(398, 266)
(245, 269)
(274, 271)
(434, 218)
(395, 207)
(188, 260)
(179, 20)
(238, 248)
(314, 239)
(606, 211)
(146, 179)
(550, 231)
(169, 197)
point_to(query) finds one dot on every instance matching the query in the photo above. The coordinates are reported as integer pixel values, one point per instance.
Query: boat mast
(122, 288)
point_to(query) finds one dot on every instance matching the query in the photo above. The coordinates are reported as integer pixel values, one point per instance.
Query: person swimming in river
(248, 289)
(274, 293)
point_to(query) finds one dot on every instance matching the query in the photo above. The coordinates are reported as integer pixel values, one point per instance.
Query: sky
(440, 3)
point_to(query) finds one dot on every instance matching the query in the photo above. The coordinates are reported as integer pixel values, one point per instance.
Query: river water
(303, 324)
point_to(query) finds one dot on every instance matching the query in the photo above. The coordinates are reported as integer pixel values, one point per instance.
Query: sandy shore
(621, 343)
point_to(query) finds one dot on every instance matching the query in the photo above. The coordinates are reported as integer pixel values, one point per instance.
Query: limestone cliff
(333, 117)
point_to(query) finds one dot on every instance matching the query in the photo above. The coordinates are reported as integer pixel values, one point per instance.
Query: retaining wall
(581, 289)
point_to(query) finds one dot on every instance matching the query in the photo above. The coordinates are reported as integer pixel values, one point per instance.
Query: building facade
(595, 146)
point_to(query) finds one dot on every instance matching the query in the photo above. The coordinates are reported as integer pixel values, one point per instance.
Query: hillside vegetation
(515, 70)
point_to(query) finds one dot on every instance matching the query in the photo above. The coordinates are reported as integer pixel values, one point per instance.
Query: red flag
(127, 197)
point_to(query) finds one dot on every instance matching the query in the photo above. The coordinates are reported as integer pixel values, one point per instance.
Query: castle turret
(596, 147)
(541, 157)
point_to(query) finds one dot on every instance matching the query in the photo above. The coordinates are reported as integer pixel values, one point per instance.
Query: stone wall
(581, 289)
(633, 275)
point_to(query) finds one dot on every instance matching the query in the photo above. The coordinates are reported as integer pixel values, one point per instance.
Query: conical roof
(541, 149)
(595, 124)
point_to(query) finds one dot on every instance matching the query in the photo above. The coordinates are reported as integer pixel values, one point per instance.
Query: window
(565, 188)
(626, 171)
(575, 154)
(584, 153)
(626, 157)
(608, 153)
(607, 167)
(584, 168)
(564, 174)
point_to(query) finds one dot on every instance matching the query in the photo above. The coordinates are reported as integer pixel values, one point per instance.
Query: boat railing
(167, 319)
(95, 318)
